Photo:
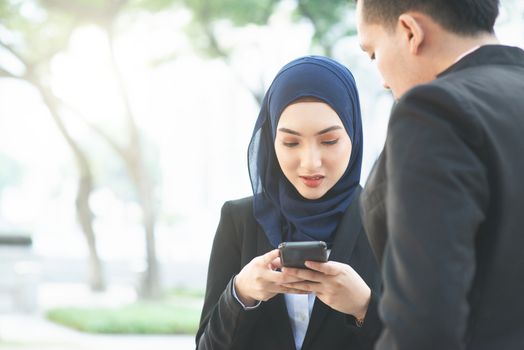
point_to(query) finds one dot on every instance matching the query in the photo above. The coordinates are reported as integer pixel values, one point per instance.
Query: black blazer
(226, 325)
(443, 209)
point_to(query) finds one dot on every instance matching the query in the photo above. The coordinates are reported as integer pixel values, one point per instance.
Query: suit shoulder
(239, 208)
(242, 203)
(457, 90)
(433, 92)
(440, 102)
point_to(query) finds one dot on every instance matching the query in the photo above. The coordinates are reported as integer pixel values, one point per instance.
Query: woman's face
(312, 147)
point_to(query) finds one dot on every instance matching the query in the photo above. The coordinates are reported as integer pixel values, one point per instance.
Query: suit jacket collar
(373, 207)
(343, 245)
(488, 54)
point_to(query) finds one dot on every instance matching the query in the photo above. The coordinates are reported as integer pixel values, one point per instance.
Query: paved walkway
(33, 332)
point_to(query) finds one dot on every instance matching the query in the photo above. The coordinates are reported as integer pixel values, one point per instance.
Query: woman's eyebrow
(289, 131)
(326, 130)
(321, 132)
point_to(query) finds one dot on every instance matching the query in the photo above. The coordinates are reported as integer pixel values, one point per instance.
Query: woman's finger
(305, 286)
(331, 268)
(289, 290)
(276, 264)
(270, 256)
(281, 278)
(305, 274)
(294, 291)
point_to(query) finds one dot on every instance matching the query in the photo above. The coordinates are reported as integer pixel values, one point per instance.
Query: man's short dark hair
(466, 17)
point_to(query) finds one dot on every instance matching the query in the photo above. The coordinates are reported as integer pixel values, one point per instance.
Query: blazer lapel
(280, 322)
(276, 306)
(345, 239)
(373, 203)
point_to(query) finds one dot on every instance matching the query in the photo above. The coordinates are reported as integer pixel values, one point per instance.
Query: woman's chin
(312, 194)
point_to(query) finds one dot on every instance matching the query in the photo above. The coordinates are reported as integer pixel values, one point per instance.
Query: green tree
(330, 21)
(105, 14)
(32, 41)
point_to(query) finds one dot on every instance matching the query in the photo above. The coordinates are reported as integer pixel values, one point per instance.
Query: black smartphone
(294, 254)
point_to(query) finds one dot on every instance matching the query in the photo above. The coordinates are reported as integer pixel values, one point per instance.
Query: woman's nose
(311, 158)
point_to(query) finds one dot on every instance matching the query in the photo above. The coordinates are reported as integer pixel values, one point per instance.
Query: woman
(304, 162)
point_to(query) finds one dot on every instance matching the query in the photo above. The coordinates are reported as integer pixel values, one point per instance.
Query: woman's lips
(312, 181)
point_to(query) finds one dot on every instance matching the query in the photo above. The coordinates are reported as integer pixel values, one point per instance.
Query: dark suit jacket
(226, 325)
(447, 195)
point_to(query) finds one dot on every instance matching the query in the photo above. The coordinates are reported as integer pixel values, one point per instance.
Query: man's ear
(412, 30)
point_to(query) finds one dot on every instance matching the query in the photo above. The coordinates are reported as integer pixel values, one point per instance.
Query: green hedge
(166, 317)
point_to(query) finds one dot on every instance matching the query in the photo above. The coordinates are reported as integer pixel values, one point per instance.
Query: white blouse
(299, 307)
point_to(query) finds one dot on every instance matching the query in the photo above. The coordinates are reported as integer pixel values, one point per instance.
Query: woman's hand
(258, 280)
(336, 284)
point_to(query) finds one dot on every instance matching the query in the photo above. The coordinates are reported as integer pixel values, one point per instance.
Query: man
(443, 207)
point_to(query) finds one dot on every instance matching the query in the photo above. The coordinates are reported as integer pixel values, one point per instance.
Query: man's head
(414, 40)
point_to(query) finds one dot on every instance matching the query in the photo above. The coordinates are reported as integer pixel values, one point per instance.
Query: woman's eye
(290, 144)
(330, 142)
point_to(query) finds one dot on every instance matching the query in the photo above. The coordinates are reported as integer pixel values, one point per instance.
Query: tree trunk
(85, 217)
(150, 286)
(85, 186)
(85, 182)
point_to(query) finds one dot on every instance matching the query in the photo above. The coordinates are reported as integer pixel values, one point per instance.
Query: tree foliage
(330, 19)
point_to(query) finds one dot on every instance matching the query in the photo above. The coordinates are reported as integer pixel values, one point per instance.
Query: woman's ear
(412, 30)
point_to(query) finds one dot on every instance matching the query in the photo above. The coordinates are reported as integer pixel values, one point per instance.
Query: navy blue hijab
(278, 207)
